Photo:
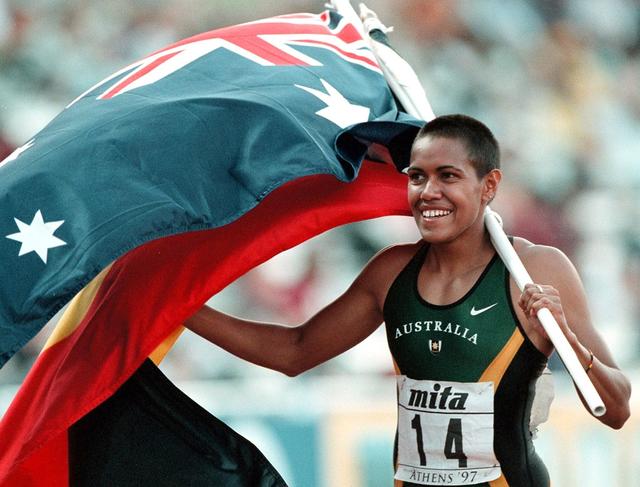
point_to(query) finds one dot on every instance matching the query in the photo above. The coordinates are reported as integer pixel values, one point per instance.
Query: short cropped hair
(482, 146)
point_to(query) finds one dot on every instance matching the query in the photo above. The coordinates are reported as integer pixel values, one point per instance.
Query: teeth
(435, 213)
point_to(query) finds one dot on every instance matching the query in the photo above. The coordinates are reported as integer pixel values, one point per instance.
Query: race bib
(445, 432)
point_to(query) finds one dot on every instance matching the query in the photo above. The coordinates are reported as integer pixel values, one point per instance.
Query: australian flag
(163, 183)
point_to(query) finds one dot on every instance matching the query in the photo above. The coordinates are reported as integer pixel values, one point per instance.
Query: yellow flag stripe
(76, 310)
(161, 350)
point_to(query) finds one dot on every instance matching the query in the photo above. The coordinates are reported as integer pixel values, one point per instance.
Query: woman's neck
(460, 256)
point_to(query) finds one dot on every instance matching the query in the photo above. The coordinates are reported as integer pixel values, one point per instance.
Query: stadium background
(559, 83)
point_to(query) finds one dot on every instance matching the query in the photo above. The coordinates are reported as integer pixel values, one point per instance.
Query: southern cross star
(339, 110)
(38, 236)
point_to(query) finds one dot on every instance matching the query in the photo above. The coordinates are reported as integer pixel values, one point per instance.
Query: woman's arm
(561, 291)
(336, 328)
(292, 349)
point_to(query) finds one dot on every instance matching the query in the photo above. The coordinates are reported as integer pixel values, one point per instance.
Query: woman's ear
(491, 182)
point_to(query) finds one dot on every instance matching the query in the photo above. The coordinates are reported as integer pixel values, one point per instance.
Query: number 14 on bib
(445, 432)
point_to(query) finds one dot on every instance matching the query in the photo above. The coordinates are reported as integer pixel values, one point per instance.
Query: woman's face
(446, 196)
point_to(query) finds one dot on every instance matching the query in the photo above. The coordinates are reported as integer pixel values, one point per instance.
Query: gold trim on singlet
(499, 482)
(494, 373)
(396, 483)
(496, 369)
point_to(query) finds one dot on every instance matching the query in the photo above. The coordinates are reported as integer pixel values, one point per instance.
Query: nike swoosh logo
(475, 311)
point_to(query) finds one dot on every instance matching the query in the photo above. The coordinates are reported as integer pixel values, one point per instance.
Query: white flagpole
(405, 85)
(520, 275)
(400, 76)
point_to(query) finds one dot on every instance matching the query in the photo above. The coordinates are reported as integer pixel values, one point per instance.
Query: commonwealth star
(38, 236)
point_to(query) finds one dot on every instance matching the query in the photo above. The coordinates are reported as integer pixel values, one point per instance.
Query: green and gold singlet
(466, 382)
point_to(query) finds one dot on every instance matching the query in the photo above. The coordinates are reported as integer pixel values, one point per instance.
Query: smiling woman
(466, 344)
(451, 174)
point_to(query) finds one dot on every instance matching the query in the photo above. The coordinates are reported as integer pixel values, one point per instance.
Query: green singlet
(469, 374)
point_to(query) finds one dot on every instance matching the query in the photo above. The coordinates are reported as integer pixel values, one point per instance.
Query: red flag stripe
(138, 306)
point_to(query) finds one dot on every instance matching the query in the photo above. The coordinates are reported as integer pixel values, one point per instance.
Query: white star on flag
(339, 110)
(38, 236)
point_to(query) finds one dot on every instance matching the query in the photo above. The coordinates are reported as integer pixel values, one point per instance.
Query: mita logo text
(435, 325)
(445, 399)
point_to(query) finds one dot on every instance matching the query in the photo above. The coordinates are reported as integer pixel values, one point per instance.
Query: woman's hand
(538, 296)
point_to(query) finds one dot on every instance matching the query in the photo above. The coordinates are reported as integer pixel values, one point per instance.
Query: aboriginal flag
(164, 183)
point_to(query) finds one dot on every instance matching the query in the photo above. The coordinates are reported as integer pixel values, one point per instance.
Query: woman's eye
(416, 178)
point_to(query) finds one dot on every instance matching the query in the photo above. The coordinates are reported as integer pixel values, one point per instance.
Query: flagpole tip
(371, 21)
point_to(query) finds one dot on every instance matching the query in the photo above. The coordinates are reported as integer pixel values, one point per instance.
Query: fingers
(535, 297)
(532, 299)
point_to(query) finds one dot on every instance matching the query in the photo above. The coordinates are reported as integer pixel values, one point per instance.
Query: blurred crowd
(558, 81)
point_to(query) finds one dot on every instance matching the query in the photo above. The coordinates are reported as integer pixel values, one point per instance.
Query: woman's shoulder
(398, 254)
(544, 262)
(384, 267)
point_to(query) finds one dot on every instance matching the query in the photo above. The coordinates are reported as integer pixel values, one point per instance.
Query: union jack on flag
(269, 42)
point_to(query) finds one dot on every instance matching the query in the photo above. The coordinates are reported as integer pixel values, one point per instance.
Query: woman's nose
(431, 190)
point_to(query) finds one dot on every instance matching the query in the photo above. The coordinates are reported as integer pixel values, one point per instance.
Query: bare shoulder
(546, 264)
(384, 267)
(394, 258)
